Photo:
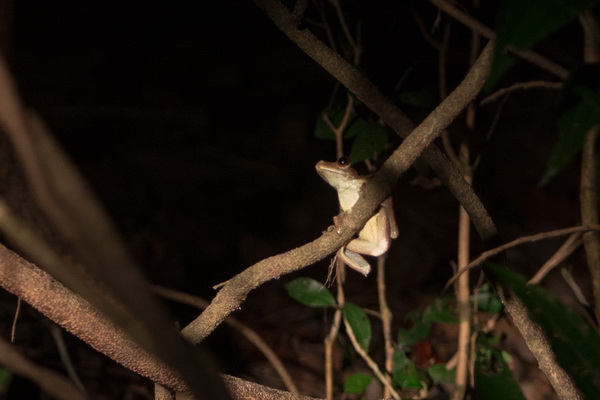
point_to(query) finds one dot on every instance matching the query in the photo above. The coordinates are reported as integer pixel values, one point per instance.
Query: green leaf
(489, 340)
(359, 323)
(524, 23)
(575, 344)
(439, 373)
(579, 110)
(400, 359)
(371, 138)
(487, 300)
(356, 383)
(418, 332)
(493, 379)
(442, 309)
(405, 373)
(310, 292)
(5, 377)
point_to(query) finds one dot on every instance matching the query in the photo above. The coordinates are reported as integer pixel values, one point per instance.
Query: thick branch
(378, 189)
(77, 316)
(411, 148)
(109, 272)
(537, 342)
(350, 77)
(73, 313)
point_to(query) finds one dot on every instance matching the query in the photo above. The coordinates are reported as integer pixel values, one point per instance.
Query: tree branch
(234, 292)
(77, 316)
(527, 55)
(108, 277)
(378, 189)
(374, 192)
(357, 83)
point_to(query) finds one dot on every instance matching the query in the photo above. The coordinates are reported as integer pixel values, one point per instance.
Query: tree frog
(375, 237)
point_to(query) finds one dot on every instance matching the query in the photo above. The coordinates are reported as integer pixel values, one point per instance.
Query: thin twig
(249, 333)
(56, 302)
(486, 255)
(373, 192)
(325, 25)
(527, 55)
(329, 344)
(299, 9)
(65, 357)
(463, 291)
(424, 32)
(338, 131)
(13, 328)
(345, 29)
(588, 191)
(589, 212)
(520, 86)
(386, 319)
(108, 277)
(337, 264)
(334, 330)
(463, 294)
(384, 378)
(443, 91)
(575, 288)
(373, 98)
(51, 382)
(564, 251)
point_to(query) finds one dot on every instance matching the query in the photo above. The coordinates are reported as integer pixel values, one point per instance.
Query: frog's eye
(344, 161)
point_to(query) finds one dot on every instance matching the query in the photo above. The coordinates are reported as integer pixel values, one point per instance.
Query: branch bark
(76, 315)
(234, 292)
(352, 79)
(376, 190)
(413, 146)
(109, 278)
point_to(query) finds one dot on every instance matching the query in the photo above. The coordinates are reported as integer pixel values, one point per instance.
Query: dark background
(194, 123)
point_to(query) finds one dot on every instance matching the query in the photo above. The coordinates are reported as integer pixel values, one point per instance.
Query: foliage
(487, 300)
(5, 377)
(359, 323)
(310, 292)
(579, 111)
(525, 23)
(520, 24)
(575, 343)
(368, 138)
(493, 379)
(406, 373)
(356, 383)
